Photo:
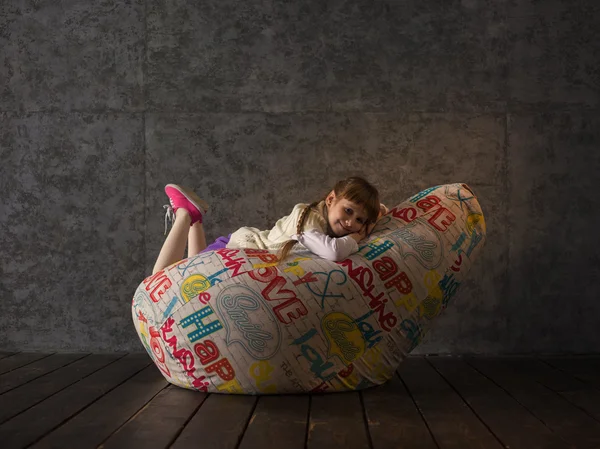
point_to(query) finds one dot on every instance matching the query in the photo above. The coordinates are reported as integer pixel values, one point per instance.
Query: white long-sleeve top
(313, 237)
(330, 248)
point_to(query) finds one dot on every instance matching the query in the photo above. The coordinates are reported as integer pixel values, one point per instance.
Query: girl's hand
(357, 236)
(382, 210)
(364, 232)
(369, 228)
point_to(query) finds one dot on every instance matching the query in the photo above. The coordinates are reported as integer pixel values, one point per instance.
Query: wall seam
(144, 149)
(506, 181)
(507, 187)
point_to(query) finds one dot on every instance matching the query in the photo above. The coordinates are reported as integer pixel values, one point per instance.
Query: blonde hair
(354, 189)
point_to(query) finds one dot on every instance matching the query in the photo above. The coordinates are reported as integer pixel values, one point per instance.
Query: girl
(331, 228)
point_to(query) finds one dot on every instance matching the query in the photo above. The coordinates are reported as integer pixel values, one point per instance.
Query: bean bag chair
(236, 321)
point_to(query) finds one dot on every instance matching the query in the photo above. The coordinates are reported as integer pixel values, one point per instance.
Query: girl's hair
(355, 189)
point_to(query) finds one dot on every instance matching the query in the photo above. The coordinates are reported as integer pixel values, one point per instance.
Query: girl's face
(345, 217)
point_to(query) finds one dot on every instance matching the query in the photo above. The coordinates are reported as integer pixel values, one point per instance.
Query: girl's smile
(345, 228)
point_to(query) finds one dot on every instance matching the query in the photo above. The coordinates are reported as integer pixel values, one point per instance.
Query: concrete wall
(261, 104)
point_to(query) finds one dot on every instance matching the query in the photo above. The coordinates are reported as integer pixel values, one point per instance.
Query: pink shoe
(185, 198)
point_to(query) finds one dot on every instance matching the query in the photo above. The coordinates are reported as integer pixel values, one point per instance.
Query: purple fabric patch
(220, 243)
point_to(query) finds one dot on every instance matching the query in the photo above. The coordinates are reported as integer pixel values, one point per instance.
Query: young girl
(331, 228)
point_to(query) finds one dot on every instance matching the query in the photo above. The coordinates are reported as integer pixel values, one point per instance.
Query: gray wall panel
(261, 104)
(72, 230)
(553, 53)
(71, 55)
(554, 262)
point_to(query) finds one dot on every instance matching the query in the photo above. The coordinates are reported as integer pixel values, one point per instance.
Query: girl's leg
(174, 247)
(196, 239)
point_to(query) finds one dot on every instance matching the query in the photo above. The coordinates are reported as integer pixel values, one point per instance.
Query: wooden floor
(121, 401)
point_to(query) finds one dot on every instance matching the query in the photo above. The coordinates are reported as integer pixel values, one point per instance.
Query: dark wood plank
(337, 421)
(98, 421)
(584, 368)
(3, 355)
(159, 422)
(277, 422)
(574, 390)
(547, 375)
(588, 400)
(18, 360)
(40, 419)
(16, 401)
(393, 418)
(513, 424)
(452, 423)
(218, 424)
(26, 373)
(563, 418)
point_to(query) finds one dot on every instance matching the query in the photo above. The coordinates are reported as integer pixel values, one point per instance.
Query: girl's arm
(330, 248)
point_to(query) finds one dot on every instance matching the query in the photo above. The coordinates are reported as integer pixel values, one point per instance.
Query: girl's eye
(360, 220)
(348, 211)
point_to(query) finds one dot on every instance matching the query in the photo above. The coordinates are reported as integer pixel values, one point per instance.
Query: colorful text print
(363, 277)
(196, 284)
(376, 248)
(295, 268)
(261, 372)
(461, 195)
(249, 321)
(321, 281)
(419, 241)
(423, 194)
(475, 221)
(157, 285)
(379, 369)
(286, 305)
(321, 367)
(153, 345)
(191, 263)
(431, 306)
(193, 286)
(344, 337)
(184, 355)
(141, 301)
(413, 333)
(385, 223)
